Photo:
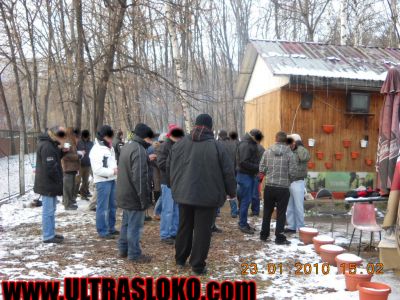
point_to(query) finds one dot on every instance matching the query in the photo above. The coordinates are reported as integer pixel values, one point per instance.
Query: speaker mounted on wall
(307, 100)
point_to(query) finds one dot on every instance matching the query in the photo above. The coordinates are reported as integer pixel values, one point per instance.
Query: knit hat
(204, 120)
(105, 130)
(222, 134)
(175, 131)
(295, 137)
(257, 134)
(143, 131)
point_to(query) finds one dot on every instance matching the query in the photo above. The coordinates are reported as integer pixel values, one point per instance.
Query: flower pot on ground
(338, 155)
(306, 234)
(355, 154)
(346, 143)
(352, 280)
(345, 260)
(373, 291)
(320, 155)
(328, 165)
(369, 162)
(322, 240)
(311, 142)
(329, 252)
(328, 128)
(311, 165)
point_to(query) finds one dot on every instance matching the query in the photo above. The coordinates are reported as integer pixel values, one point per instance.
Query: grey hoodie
(279, 165)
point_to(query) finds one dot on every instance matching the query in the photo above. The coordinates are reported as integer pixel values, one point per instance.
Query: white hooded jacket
(102, 160)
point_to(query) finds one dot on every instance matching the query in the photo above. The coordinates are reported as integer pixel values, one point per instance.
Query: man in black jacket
(170, 211)
(49, 179)
(201, 176)
(117, 144)
(82, 181)
(247, 164)
(134, 193)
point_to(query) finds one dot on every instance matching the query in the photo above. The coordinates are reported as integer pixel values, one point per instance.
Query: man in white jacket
(104, 168)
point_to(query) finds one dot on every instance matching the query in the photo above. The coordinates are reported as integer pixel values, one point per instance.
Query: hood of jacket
(43, 137)
(201, 133)
(279, 149)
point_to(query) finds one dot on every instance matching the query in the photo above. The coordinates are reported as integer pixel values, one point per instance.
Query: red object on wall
(328, 128)
(355, 154)
(320, 155)
(369, 162)
(311, 165)
(338, 155)
(328, 165)
(346, 143)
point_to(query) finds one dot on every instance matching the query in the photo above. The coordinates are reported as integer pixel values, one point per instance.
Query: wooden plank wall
(264, 113)
(328, 108)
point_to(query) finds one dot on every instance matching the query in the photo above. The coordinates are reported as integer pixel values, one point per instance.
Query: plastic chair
(363, 218)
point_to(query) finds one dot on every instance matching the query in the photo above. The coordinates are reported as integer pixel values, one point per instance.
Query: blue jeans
(234, 207)
(49, 205)
(245, 192)
(295, 209)
(169, 214)
(158, 207)
(131, 233)
(106, 207)
(255, 201)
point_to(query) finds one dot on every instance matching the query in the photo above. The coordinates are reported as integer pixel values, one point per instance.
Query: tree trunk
(8, 116)
(80, 64)
(343, 22)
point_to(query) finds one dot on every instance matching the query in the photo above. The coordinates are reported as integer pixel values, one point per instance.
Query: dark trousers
(194, 235)
(82, 181)
(275, 197)
(69, 196)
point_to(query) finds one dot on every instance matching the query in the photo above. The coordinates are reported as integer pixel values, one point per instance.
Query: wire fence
(10, 159)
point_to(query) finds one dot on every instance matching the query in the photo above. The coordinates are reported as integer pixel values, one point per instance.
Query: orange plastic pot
(352, 280)
(322, 240)
(328, 253)
(328, 165)
(306, 234)
(355, 155)
(345, 260)
(338, 155)
(373, 291)
(320, 155)
(311, 165)
(328, 128)
(369, 162)
(346, 143)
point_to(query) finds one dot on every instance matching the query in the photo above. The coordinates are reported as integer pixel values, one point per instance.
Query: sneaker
(180, 265)
(72, 207)
(168, 241)
(59, 236)
(246, 230)
(282, 242)
(107, 237)
(122, 254)
(288, 230)
(234, 216)
(93, 209)
(147, 218)
(142, 259)
(200, 272)
(264, 238)
(85, 198)
(54, 240)
(255, 214)
(115, 232)
(215, 229)
(89, 195)
(251, 228)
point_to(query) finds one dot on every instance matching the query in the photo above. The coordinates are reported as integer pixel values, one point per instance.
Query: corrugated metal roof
(318, 60)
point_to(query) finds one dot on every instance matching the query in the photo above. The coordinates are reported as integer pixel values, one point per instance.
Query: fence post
(21, 162)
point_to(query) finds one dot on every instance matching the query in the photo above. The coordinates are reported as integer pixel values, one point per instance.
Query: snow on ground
(9, 171)
(24, 256)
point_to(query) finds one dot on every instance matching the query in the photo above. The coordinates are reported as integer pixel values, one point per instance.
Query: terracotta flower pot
(347, 259)
(352, 280)
(373, 291)
(328, 128)
(369, 162)
(311, 165)
(320, 155)
(306, 234)
(346, 143)
(328, 253)
(322, 240)
(355, 154)
(338, 155)
(328, 165)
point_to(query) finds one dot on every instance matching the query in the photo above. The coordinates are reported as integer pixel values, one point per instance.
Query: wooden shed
(328, 94)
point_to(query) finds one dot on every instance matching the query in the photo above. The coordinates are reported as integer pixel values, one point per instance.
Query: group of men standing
(198, 174)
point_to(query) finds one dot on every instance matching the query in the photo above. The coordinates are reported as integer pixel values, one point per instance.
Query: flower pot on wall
(320, 155)
(369, 162)
(373, 291)
(363, 143)
(328, 165)
(338, 155)
(311, 142)
(355, 154)
(328, 129)
(311, 165)
(346, 143)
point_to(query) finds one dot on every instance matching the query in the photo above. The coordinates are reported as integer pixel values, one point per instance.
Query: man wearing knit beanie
(134, 193)
(170, 211)
(201, 176)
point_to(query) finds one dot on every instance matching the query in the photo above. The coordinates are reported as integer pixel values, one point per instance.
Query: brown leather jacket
(70, 161)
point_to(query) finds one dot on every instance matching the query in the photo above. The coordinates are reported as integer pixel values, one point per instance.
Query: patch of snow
(324, 238)
(331, 248)
(348, 257)
(308, 229)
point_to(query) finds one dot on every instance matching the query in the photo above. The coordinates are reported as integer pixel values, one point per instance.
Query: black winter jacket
(85, 146)
(247, 156)
(133, 182)
(201, 171)
(117, 145)
(49, 174)
(162, 155)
